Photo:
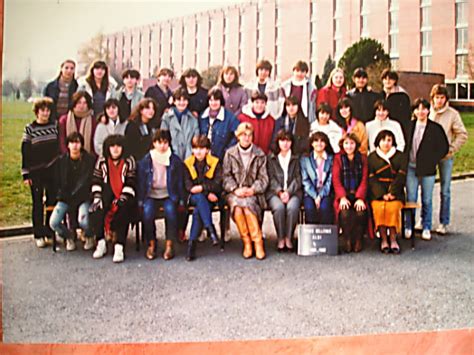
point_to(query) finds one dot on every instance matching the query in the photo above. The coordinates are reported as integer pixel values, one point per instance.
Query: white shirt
(285, 165)
(374, 127)
(332, 130)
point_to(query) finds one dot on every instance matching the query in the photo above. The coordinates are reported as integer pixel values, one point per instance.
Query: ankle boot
(191, 251)
(255, 234)
(358, 243)
(347, 242)
(211, 231)
(169, 252)
(151, 251)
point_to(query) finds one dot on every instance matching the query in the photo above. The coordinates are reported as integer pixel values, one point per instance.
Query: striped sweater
(101, 181)
(39, 148)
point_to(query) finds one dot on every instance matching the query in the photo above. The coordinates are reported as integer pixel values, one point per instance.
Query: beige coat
(255, 176)
(451, 121)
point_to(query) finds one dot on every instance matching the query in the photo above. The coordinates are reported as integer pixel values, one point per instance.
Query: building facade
(420, 35)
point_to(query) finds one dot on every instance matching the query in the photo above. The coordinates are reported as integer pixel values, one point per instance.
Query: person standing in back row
(363, 98)
(454, 128)
(161, 94)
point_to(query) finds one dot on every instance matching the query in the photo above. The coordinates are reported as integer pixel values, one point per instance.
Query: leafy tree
(8, 88)
(27, 87)
(329, 65)
(364, 53)
(210, 76)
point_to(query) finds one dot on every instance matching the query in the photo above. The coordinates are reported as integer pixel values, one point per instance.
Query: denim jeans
(170, 209)
(323, 215)
(427, 186)
(57, 219)
(202, 214)
(445, 172)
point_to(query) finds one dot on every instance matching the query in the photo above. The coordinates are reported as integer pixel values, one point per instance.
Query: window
(337, 35)
(425, 35)
(393, 31)
(462, 38)
(364, 19)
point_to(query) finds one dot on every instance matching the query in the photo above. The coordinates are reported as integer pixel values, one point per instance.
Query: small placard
(317, 239)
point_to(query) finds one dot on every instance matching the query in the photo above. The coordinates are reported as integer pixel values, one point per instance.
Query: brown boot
(169, 252)
(256, 234)
(347, 242)
(241, 223)
(151, 251)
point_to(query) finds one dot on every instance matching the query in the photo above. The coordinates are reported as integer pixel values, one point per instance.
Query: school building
(420, 35)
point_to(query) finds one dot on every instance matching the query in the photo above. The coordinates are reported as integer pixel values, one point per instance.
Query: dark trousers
(323, 215)
(119, 223)
(43, 185)
(353, 222)
(170, 209)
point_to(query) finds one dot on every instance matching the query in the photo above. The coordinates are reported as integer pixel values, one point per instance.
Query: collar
(387, 156)
(220, 116)
(325, 156)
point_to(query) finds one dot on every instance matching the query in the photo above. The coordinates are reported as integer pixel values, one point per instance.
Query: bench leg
(137, 236)
(412, 211)
(222, 224)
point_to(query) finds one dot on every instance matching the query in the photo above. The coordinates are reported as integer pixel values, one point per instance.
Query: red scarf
(116, 184)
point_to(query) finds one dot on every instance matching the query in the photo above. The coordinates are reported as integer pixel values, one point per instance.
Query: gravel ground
(69, 297)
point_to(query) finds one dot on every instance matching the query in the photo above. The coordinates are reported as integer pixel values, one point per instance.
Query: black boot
(211, 231)
(191, 252)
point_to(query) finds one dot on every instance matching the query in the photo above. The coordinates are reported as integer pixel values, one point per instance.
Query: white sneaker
(70, 245)
(40, 242)
(442, 229)
(101, 249)
(118, 253)
(426, 235)
(418, 225)
(89, 244)
(407, 233)
(203, 236)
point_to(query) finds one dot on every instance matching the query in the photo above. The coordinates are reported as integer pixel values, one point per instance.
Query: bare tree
(95, 49)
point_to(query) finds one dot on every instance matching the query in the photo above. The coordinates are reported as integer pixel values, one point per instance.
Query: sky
(42, 33)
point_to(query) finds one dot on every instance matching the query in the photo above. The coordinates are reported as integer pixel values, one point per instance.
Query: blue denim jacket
(222, 137)
(309, 173)
(174, 179)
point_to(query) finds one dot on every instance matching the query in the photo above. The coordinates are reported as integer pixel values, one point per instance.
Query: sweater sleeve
(26, 153)
(361, 192)
(459, 133)
(339, 189)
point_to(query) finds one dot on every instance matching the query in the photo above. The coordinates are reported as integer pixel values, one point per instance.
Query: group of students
(105, 157)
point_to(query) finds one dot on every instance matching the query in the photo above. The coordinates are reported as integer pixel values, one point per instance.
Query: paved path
(68, 297)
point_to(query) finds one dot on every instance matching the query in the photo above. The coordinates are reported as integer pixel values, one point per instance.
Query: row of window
(461, 36)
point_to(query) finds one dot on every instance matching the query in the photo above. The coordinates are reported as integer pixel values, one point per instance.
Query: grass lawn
(15, 199)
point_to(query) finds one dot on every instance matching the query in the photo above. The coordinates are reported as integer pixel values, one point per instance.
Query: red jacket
(263, 128)
(331, 95)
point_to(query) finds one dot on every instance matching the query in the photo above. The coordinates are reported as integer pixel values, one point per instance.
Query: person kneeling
(74, 174)
(203, 180)
(113, 192)
(160, 184)
(245, 180)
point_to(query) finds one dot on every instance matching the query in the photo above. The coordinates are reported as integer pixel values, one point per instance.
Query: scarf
(85, 127)
(351, 176)
(179, 115)
(387, 156)
(161, 158)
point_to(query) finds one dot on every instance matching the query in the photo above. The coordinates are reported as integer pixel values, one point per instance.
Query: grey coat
(255, 176)
(181, 134)
(275, 172)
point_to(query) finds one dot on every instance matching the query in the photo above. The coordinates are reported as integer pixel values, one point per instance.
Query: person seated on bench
(387, 176)
(160, 184)
(316, 171)
(203, 181)
(350, 180)
(284, 192)
(113, 191)
(245, 181)
(74, 176)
